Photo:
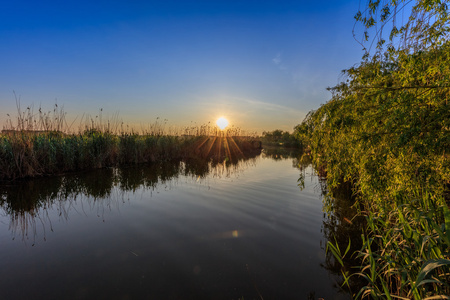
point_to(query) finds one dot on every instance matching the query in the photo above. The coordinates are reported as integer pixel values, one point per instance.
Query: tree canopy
(387, 125)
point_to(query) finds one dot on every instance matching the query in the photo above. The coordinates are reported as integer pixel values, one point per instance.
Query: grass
(44, 144)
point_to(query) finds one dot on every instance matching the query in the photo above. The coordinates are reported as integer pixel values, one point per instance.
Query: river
(179, 230)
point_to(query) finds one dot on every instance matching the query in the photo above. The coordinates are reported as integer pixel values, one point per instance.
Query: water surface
(172, 231)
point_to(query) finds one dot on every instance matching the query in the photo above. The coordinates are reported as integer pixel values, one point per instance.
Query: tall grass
(43, 144)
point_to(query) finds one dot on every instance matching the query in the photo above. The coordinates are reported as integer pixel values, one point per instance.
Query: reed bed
(43, 144)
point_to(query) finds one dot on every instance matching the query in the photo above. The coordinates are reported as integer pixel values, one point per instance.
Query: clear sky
(262, 64)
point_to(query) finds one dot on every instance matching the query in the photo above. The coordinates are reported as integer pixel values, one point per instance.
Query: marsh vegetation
(39, 144)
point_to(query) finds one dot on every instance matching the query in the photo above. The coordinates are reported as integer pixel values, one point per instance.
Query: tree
(386, 130)
(426, 27)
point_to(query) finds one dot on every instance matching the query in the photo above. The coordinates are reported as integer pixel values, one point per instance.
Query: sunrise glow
(222, 123)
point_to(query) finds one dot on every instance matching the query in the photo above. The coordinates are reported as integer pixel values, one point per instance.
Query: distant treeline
(280, 138)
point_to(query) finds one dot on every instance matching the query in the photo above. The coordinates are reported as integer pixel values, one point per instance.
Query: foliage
(386, 130)
(426, 27)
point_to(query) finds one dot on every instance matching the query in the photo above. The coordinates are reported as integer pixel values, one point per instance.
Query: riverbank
(386, 132)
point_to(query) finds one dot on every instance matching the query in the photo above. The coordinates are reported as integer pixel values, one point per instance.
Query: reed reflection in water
(187, 230)
(28, 202)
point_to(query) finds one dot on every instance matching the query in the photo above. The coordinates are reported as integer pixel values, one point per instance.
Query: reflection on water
(342, 225)
(278, 153)
(183, 230)
(27, 202)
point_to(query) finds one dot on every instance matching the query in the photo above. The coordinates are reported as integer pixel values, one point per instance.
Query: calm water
(178, 231)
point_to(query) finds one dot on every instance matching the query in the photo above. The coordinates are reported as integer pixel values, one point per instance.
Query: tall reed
(405, 252)
(38, 144)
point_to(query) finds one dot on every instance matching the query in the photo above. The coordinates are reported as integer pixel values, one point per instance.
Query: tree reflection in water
(340, 224)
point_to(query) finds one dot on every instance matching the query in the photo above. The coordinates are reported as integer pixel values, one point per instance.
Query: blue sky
(262, 64)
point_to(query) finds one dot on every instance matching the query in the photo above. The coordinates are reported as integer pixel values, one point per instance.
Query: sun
(222, 123)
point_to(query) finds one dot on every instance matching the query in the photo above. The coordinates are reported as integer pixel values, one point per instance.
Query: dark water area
(183, 230)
